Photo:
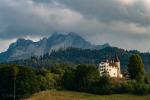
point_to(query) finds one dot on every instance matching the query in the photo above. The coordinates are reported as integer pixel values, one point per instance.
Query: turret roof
(116, 59)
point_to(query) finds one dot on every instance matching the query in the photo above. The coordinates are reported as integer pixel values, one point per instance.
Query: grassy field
(69, 95)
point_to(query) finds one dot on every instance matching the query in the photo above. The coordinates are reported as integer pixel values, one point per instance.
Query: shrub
(127, 87)
(141, 89)
(6, 83)
(149, 88)
(86, 76)
(69, 80)
(26, 82)
(46, 82)
(105, 85)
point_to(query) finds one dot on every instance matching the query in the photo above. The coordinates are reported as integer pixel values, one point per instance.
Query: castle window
(114, 73)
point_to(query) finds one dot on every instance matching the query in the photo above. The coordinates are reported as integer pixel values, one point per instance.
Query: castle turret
(116, 59)
(117, 63)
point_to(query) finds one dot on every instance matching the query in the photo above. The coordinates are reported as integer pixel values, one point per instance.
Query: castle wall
(113, 72)
(112, 69)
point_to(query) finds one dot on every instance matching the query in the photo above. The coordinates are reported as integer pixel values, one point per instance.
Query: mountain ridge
(24, 49)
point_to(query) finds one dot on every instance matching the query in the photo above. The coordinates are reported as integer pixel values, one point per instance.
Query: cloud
(5, 44)
(24, 17)
(98, 21)
(136, 11)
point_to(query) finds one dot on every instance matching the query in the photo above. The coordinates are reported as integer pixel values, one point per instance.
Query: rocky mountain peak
(23, 49)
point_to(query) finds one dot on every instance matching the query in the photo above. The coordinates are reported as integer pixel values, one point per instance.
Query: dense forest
(74, 56)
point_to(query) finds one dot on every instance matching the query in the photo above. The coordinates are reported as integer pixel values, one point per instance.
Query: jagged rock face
(23, 49)
(57, 41)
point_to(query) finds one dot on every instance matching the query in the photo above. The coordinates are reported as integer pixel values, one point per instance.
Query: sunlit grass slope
(69, 95)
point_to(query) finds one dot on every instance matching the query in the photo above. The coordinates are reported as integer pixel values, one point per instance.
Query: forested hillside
(83, 56)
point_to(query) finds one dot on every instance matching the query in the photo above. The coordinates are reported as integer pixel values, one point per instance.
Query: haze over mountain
(23, 49)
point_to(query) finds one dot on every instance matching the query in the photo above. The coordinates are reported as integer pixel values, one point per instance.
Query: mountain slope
(23, 49)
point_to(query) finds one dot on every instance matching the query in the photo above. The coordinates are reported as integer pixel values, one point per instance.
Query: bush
(26, 82)
(6, 83)
(149, 88)
(126, 87)
(141, 89)
(46, 82)
(134, 87)
(69, 80)
(86, 77)
(105, 85)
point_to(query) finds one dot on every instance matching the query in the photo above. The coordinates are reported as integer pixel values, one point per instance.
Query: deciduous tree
(136, 68)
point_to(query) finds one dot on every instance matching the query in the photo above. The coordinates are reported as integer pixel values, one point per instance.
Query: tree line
(21, 81)
(83, 56)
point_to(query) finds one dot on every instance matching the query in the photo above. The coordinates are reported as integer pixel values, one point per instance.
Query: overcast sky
(121, 23)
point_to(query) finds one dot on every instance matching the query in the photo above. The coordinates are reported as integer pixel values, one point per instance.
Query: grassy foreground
(69, 95)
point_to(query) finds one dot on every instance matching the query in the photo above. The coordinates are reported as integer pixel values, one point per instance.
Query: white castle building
(111, 68)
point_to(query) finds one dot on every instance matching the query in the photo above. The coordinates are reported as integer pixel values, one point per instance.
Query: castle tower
(117, 63)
